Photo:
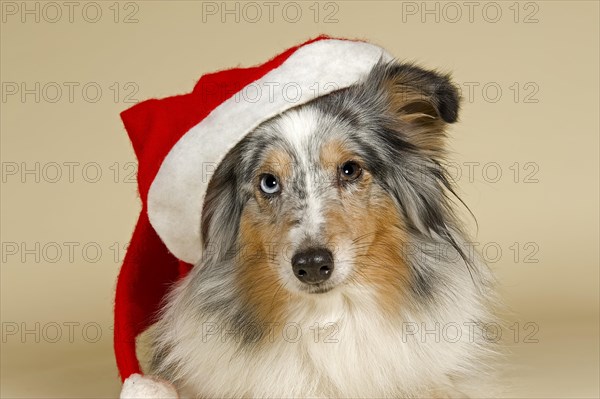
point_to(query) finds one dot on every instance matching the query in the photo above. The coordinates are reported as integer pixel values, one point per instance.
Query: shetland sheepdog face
(316, 217)
(332, 211)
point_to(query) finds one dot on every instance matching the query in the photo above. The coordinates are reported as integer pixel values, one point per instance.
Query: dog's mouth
(317, 288)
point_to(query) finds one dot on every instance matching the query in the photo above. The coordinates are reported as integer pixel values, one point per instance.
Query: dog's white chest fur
(337, 347)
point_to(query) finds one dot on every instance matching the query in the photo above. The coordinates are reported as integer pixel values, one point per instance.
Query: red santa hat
(178, 142)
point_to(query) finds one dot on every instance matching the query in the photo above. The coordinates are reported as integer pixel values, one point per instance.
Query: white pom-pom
(145, 387)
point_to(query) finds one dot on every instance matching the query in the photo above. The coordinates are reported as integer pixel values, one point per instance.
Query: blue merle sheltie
(335, 264)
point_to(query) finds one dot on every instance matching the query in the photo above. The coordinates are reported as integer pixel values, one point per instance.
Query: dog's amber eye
(350, 171)
(269, 184)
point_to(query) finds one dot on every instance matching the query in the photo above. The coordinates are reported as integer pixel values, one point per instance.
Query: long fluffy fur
(212, 340)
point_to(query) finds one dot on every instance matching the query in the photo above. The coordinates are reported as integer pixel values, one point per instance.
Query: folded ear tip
(449, 111)
(448, 101)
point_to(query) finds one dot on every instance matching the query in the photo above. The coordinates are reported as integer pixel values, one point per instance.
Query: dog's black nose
(313, 266)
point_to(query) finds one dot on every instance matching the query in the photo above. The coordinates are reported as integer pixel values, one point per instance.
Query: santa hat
(179, 141)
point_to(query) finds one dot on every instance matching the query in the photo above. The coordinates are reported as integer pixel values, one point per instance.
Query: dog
(334, 263)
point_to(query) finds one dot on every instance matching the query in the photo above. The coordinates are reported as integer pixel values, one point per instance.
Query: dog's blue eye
(350, 171)
(269, 184)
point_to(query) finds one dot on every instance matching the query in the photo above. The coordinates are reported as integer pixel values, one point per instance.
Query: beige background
(56, 309)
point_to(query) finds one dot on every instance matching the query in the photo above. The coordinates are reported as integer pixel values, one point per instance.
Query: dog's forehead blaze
(330, 155)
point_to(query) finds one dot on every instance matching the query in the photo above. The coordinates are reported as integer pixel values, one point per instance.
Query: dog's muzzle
(313, 265)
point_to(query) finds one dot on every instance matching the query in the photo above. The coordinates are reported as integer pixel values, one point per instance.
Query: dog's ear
(418, 93)
(422, 102)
